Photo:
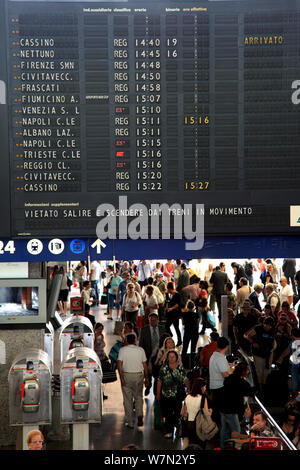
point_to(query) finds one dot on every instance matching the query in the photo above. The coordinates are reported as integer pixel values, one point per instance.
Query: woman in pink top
(169, 269)
(261, 265)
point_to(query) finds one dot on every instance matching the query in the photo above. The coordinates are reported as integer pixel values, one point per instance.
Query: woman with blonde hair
(163, 351)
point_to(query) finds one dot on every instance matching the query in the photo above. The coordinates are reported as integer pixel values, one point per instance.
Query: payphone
(29, 381)
(81, 393)
(81, 387)
(76, 332)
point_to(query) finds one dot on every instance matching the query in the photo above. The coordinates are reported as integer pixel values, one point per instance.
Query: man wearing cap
(149, 341)
(242, 323)
(161, 284)
(132, 368)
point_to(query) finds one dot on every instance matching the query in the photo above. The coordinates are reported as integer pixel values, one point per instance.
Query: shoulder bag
(206, 428)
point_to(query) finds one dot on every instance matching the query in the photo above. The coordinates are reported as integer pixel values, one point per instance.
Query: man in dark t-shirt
(262, 339)
(242, 323)
(232, 406)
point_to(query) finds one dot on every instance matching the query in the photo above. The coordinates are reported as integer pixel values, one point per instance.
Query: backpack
(159, 296)
(206, 428)
(136, 297)
(263, 277)
(248, 269)
(277, 308)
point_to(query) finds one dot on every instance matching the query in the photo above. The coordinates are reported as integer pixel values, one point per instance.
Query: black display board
(188, 102)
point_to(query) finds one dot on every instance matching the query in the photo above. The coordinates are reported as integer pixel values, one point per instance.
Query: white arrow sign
(98, 244)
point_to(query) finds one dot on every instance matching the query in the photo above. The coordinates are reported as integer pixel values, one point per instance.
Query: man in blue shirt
(218, 370)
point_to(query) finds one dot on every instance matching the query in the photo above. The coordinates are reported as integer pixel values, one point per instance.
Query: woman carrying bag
(191, 406)
(171, 391)
(131, 303)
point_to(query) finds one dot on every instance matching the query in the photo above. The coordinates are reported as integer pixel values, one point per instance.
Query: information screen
(175, 102)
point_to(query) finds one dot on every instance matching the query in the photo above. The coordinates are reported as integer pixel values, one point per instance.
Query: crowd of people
(151, 297)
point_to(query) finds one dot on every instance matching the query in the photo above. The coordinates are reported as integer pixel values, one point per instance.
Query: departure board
(181, 103)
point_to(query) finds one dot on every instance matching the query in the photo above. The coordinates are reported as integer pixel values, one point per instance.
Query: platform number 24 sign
(8, 247)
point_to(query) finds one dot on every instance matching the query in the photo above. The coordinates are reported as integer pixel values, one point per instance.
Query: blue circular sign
(77, 246)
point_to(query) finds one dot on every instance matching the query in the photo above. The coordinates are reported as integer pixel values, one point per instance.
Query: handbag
(109, 376)
(119, 325)
(206, 428)
(108, 371)
(211, 318)
(92, 292)
(69, 282)
(114, 353)
(157, 415)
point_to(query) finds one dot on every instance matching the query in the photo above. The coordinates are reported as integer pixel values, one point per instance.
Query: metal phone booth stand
(76, 331)
(29, 381)
(81, 393)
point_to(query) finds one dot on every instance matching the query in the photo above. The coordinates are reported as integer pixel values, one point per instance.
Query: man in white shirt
(286, 293)
(144, 271)
(197, 266)
(208, 273)
(132, 367)
(95, 272)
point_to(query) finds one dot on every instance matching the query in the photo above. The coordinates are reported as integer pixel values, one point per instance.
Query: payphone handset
(78, 331)
(30, 390)
(76, 343)
(77, 337)
(80, 388)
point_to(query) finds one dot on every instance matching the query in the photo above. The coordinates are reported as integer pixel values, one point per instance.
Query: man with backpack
(249, 268)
